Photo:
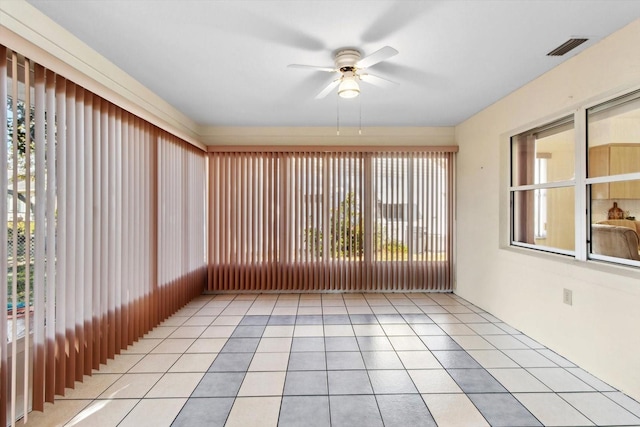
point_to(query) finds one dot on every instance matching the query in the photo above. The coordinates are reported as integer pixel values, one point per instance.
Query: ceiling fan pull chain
(338, 115)
(360, 118)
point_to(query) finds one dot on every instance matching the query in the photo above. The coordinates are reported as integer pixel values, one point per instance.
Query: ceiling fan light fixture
(348, 87)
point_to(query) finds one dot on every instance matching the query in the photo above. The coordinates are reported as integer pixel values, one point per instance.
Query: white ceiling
(224, 63)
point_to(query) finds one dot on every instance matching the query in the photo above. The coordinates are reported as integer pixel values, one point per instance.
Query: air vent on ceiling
(567, 46)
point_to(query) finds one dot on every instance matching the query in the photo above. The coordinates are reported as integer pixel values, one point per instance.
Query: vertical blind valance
(337, 221)
(100, 203)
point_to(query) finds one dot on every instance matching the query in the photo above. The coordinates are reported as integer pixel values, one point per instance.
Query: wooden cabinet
(614, 159)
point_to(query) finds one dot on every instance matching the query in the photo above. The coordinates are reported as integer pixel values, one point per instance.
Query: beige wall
(601, 331)
(322, 136)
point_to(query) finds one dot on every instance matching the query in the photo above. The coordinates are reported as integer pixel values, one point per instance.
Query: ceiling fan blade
(404, 73)
(307, 87)
(313, 67)
(377, 81)
(396, 17)
(328, 89)
(260, 26)
(377, 56)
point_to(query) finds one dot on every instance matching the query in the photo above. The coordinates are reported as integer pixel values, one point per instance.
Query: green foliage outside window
(346, 232)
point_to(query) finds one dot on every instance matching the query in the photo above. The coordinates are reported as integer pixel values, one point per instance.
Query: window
(544, 193)
(613, 141)
(100, 207)
(339, 220)
(410, 219)
(543, 187)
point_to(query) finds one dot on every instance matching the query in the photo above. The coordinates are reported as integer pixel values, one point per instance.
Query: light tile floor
(338, 360)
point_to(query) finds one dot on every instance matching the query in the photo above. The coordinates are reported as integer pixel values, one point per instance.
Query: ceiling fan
(351, 67)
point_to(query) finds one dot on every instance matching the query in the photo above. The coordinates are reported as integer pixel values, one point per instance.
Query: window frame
(629, 96)
(540, 201)
(321, 271)
(581, 182)
(513, 189)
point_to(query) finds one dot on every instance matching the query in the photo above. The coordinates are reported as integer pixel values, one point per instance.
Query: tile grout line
(284, 385)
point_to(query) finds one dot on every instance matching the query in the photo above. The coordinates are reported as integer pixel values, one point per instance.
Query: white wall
(601, 331)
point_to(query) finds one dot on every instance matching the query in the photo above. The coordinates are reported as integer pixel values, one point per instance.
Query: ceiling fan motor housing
(347, 59)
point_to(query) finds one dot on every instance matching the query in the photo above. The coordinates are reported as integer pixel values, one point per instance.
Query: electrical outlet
(567, 296)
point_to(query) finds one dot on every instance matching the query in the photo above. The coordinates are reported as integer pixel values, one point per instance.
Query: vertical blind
(99, 206)
(181, 218)
(331, 220)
